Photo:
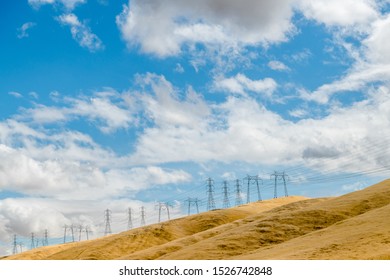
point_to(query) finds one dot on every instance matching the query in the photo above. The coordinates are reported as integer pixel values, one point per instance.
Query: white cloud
(240, 84)
(166, 109)
(43, 114)
(164, 27)
(111, 115)
(69, 4)
(251, 133)
(81, 33)
(278, 66)
(372, 64)
(298, 113)
(339, 13)
(377, 43)
(23, 30)
(15, 94)
(107, 110)
(12, 131)
(77, 180)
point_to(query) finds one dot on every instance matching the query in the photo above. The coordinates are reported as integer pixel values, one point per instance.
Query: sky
(127, 104)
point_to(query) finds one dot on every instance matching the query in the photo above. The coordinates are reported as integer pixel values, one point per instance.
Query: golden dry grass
(353, 226)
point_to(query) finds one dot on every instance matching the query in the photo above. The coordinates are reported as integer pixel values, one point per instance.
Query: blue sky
(117, 104)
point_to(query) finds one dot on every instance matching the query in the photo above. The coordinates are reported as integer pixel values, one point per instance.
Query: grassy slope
(353, 226)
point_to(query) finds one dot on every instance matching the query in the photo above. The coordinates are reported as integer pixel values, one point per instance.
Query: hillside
(352, 226)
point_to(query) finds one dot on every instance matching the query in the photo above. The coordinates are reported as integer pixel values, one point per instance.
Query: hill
(352, 226)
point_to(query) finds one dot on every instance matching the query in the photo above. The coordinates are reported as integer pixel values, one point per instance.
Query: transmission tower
(163, 206)
(238, 193)
(129, 219)
(32, 246)
(87, 231)
(72, 231)
(253, 180)
(280, 176)
(65, 230)
(193, 201)
(225, 189)
(45, 241)
(210, 192)
(142, 216)
(107, 221)
(80, 231)
(15, 245)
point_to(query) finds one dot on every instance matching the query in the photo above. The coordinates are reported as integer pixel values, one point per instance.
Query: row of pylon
(251, 180)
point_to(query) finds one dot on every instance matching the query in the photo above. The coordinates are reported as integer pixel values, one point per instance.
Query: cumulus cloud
(339, 13)
(377, 44)
(75, 179)
(81, 33)
(102, 109)
(251, 133)
(240, 84)
(23, 30)
(164, 27)
(165, 108)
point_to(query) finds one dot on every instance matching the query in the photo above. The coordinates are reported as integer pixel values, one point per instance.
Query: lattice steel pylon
(255, 180)
(80, 231)
(193, 201)
(45, 241)
(225, 192)
(32, 246)
(107, 221)
(163, 206)
(129, 218)
(142, 216)
(238, 193)
(87, 231)
(15, 246)
(65, 231)
(210, 194)
(279, 176)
